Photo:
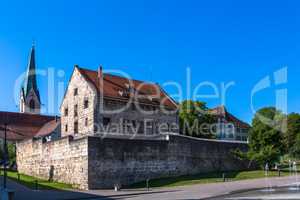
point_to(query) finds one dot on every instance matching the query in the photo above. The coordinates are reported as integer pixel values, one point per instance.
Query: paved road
(178, 193)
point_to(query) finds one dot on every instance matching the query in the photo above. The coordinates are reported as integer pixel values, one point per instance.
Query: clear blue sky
(221, 41)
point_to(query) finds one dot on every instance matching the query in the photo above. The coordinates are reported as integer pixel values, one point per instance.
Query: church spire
(30, 90)
(30, 80)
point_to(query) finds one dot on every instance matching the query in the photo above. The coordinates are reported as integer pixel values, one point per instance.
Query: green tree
(293, 130)
(295, 149)
(265, 141)
(11, 149)
(195, 120)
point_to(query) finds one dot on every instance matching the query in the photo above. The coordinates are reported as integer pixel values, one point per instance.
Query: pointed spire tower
(30, 97)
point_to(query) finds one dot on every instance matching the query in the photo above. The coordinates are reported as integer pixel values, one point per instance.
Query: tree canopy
(266, 135)
(195, 120)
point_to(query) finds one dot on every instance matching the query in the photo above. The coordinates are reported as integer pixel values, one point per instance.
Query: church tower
(30, 97)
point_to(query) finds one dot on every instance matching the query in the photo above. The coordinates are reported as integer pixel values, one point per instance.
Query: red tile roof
(117, 87)
(22, 125)
(221, 111)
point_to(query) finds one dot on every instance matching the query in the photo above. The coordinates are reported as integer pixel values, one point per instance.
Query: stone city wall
(64, 160)
(93, 162)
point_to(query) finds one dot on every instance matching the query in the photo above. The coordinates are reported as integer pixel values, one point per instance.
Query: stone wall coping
(208, 140)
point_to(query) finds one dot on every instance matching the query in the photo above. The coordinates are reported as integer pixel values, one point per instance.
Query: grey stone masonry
(95, 162)
(64, 160)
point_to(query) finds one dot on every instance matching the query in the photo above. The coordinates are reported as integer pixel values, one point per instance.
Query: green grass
(207, 178)
(30, 182)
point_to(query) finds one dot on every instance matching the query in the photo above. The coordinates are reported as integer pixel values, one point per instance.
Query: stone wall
(64, 160)
(93, 162)
(119, 161)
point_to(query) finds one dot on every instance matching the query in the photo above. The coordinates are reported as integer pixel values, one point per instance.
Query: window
(66, 128)
(75, 127)
(133, 123)
(86, 123)
(66, 111)
(76, 110)
(32, 105)
(86, 103)
(106, 121)
(141, 127)
(75, 91)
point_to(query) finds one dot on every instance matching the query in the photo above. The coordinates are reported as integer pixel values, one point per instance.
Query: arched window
(32, 105)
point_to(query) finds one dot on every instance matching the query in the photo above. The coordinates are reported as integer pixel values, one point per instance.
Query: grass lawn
(207, 178)
(30, 182)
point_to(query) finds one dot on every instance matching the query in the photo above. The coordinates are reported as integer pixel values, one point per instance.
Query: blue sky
(220, 41)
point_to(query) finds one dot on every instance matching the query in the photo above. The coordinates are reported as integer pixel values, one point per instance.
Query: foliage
(295, 149)
(265, 141)
(11, 153)
(291, 135)
(195, 120)
(11, 148)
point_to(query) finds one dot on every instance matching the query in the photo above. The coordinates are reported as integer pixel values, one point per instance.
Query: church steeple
(30, 97)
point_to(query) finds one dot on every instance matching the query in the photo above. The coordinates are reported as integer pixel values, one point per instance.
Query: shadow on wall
(51, 173)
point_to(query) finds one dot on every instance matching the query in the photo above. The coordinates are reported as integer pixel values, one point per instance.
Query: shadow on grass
(185, 180)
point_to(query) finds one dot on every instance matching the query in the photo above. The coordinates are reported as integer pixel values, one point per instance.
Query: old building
(100, 103)
(29, 123)
(22, 126)
(228, 126)
(130, 113)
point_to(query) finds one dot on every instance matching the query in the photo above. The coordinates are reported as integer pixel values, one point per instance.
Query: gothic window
(32, 105)
(86, 103)
(75, 91)
(75, 110)
(75, 127)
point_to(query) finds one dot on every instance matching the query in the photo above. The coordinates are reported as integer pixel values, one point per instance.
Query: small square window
(106, 121)
(66, 128)
(75, 91)
(76, 110)
(75, 127)
(66, 111)
(86, 123)
(86, 103)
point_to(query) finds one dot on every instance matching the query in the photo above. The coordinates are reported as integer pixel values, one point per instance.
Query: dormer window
(75, 91)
